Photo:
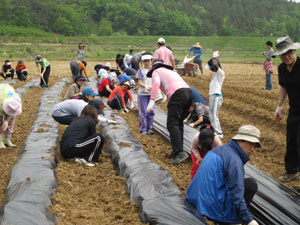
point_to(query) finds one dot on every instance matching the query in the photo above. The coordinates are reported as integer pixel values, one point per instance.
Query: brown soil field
(89, 195)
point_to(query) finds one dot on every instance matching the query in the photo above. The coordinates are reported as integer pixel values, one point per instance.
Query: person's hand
(147, 87)
(126, 110)
(253, 222)
(5, 125)
(150, 106)
(199, 160)
(185, 120)
(191, 124)
(111, 122)
(131, 106)
(42, 74)
(278, 113)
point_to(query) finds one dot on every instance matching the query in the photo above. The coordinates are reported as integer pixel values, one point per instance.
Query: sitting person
(203, 142)
(107, 85)
(76, 88)
(199, 114)
(103, 73)
(21, 70)
(118, 98)
(7, 70)
(123, 77)
(98, 67)
(80, 140)
(219, 190)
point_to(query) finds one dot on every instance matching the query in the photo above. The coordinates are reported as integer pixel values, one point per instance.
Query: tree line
(156, 17)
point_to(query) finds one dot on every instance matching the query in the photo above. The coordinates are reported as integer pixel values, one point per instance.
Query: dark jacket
(79, 130)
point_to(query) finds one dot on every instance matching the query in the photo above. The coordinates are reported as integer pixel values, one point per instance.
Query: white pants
(214, 106)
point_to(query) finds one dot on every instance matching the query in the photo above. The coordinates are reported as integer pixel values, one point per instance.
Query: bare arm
(282, 96)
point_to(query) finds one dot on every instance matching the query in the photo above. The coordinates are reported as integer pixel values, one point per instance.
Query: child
(199, 114)
(203, 142)
(80, 52)
(7, 70)
(144, 93)
(107, 85)
(45, 70)
(76, 88)
(215, 94)
(21, 70)
(80, 140)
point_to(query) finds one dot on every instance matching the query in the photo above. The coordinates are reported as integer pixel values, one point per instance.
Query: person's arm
(196, 123)
(155, 84)
(195, 146)
(131, 99)
(108, 88)
(85, 72)
(188, 117)
(282, 96)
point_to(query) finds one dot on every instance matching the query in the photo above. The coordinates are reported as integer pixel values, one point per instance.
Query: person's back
(69, 107)
(164, 54)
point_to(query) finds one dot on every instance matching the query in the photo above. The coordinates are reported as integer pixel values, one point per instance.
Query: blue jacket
(197, 51)
(124, 77)
(217, 189)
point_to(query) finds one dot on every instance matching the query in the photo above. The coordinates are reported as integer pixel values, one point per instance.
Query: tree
(104, 28)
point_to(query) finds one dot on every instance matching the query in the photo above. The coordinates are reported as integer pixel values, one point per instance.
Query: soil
(88, 195)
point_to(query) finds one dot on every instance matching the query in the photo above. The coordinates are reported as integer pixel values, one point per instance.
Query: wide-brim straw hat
(284, 44)
(197, 45)
(248, 133)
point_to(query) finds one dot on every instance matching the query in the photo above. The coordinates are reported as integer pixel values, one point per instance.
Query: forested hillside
(155, 17)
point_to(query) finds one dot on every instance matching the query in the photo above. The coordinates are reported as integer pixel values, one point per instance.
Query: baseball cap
(248, 133)
(161, 41)
(99, 105)
(89, 91)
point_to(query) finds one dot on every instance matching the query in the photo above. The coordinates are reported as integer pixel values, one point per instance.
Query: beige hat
(197, 45)
(161, 41)
(248, 133)
(285, 44)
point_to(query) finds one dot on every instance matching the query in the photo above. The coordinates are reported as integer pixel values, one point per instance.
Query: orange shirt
(119, 90)
(82, 67)
(20, 68)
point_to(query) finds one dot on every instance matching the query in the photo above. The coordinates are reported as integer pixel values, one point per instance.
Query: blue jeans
(268, 81)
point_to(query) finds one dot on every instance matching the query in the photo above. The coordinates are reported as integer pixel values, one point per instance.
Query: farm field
(89, 195)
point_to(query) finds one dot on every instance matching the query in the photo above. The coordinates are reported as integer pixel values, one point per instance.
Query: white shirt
(216, 82)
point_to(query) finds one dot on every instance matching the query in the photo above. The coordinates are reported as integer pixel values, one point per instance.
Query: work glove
(150, 106)
(5, 125)
(191, 124)
(253, 222)
(111, 122)
(185, 120)
(147, 87)
(126, 110)
(278, 113)
(42, 74)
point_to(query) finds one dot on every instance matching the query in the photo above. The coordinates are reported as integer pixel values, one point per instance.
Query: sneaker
(180, 157)
(84, 162)
(150, 132)
(144, 132)
(287, 177)
(171, 155)
(2, 145)
(9, 143)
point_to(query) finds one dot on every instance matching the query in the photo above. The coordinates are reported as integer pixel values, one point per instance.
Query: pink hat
(12, 106)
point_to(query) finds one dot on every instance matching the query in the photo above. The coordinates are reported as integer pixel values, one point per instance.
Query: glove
(126, 110)
(150, 106)
(42, 74)
(191, 124)
(5, 125)
(253, 222)
(185, 120)
(278, 113)
(111, 122)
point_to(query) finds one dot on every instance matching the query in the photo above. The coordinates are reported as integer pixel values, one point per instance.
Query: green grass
(233, 49)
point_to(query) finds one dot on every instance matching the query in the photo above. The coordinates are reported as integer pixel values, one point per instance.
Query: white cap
(216, 54)
(161, 41)
(127, 83)
(146, 57)
(107, 64)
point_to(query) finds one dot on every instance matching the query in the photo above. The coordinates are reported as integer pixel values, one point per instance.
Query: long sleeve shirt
(165, 54)
(119, 90)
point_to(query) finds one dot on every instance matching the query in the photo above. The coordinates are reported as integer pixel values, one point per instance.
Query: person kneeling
(80, 140)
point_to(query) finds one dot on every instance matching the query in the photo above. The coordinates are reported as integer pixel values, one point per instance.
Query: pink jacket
(164, 54)
(167, 80)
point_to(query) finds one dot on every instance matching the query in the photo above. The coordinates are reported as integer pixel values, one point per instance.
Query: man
(197, 51)
(219, 190)
(164, 53)
(180, 95)
(289, 81)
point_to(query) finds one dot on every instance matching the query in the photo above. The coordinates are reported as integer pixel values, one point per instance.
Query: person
(180, 95)
(198, 97)
(21, 70)
(219, 189)
(136, 59)
(64, 112)
(80, 140)
(127, 61)
(119, 61)
(199, 114)
(45, 70)
(197, 51)
(103, 73)
(215, 94)
(289, 81)
(76, 88)
(77, 67)
(80, 52)
(118, 98)
(107, 85)
(205, 140)
(268, 65)
(97, 67)
(123, 77)
(10, 108)
(7, 70)
(163, 53)
(144, 92)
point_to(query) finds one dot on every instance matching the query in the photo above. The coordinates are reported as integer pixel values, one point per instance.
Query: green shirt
(44, 63)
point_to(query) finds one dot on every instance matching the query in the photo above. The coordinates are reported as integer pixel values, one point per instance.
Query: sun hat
(197, 45)
(99, 105)
(20, 62)
(89, 91)
(80, 78)
(248, 133)
(107, 64)
(285, 44)
(12, 106)
(127, 83)
(38, 58)
(146, 57)
(161, 41)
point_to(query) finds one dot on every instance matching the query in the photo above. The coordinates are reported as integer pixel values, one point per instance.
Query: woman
(268, 65)
(10, 107)
(45, 70)
(75, 89)
(80, 52)
(21, 70)
(80, 140)
(203, 142)
(7, 70)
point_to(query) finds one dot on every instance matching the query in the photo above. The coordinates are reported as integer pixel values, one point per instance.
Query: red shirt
(103, 83)
(20, 68)
(119, 90)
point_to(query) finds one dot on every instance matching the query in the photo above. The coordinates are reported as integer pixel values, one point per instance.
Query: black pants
(199, 62)
(89, 149)
(292, 157)
(21, 75)
(195, 118)
(178, 105)
(66, 120)
(250, 189)
(9, 73)
(105, 93)
(45, 76)
(116, 102)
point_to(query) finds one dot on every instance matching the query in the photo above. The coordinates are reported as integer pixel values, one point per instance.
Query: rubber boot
(2, 145)
(8, 142)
